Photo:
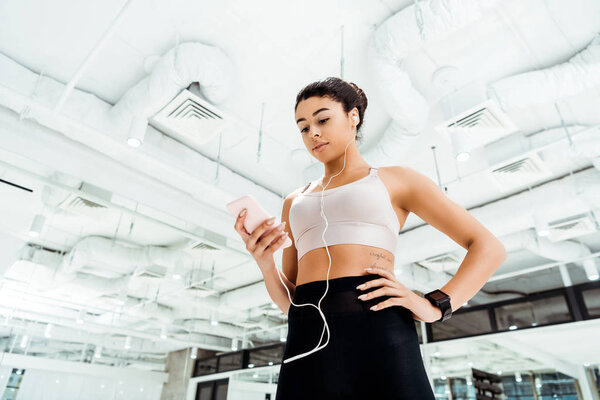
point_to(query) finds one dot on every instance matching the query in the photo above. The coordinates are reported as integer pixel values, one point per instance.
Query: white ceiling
(276, 48)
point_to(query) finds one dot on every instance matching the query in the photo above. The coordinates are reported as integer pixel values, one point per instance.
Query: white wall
(47, 379)
(242, 390)
(46, 385)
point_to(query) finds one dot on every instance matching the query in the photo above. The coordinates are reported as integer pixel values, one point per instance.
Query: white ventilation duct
(85, 284)
(393, 41)
(167, 165)
(420, 278)
(10, 248)
(550, 144)
(105, 257)
(174, 71)
(565, 250)
(571, 195)
(210, 342)
(547, 87)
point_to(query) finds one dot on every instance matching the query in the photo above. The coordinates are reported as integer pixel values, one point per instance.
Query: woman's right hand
(262, 249)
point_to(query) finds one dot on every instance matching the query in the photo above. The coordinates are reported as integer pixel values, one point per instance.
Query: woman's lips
(320, 148)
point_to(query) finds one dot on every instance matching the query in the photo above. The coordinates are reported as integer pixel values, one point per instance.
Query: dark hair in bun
(346, 93)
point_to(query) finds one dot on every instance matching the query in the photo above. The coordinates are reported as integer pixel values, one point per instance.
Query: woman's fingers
(376, 282)
(277, 243)
(274, 236)
(387, 274)
(394, 301)
(384, 291)
(382, 272)
(239, 226)
(256, 234)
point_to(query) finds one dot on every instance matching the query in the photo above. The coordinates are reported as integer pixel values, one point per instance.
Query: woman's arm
(276, 289)
(485, 253)
(289, 265)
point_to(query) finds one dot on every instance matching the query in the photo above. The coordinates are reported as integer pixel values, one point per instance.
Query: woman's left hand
(421, 308)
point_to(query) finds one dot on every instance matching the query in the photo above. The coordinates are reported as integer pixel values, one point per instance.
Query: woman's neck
(346, 170)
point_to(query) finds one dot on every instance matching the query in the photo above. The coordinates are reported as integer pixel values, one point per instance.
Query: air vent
(441, 263)
(189, 118)
(520, 172)
(203, 288)
(77, 202)
(202, 246)
(197, 290)
(150, 271)
(80, 205)
(198, 249)
(574, 226)
(486, 118)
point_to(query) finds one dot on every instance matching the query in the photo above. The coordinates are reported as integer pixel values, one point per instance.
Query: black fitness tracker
(442, 301)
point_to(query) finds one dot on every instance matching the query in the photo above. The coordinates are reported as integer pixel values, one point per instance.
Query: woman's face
(321, 119)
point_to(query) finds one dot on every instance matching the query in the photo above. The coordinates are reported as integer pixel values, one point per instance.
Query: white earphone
(318, 307)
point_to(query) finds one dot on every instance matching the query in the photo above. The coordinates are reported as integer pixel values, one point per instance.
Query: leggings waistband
(335, 284)
(342, 296)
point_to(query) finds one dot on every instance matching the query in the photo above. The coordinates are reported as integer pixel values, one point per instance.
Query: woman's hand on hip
(388, 285)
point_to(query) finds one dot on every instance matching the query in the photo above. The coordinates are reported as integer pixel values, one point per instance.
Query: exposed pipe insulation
(551, 144)
(566, 250)
(176, 70)
(548, 86)
(394, 40)
(47, 279)
(94, 252)
(588, 148)
(209, 342)
(10, 247)
(570, 195)
(173, 179)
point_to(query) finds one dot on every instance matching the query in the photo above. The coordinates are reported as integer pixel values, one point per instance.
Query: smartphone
(255, 215)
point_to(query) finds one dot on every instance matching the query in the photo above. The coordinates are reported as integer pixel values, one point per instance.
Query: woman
(373, 352)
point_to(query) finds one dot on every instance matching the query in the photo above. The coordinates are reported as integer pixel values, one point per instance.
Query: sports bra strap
(305, 187)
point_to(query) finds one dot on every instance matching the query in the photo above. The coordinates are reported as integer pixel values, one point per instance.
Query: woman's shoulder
(408, 184)
(289, 199)
(399, 180)
(400, 172)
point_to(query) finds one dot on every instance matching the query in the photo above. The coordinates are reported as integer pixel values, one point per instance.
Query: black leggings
(370, 354)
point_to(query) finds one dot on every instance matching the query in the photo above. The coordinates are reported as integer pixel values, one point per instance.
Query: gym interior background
(127, 125)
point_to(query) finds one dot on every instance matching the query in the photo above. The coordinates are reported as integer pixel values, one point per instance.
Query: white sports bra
(359, 212)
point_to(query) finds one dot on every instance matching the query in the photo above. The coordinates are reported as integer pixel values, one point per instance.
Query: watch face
(437, 295)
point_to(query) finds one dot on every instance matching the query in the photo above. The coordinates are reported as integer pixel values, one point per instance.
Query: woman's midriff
(346, 260)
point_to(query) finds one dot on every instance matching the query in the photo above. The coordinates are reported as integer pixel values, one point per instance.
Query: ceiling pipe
(551, 85)
(570, 195)
(100, 253)
(47, 280)
(174, 71)
(201, 341)
(394, 40)
(182, 176)
(90, 57)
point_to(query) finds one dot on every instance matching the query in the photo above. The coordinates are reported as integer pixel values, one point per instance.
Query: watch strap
(442, 303)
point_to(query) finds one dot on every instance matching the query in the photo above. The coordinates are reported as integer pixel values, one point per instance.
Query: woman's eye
(321, 121)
